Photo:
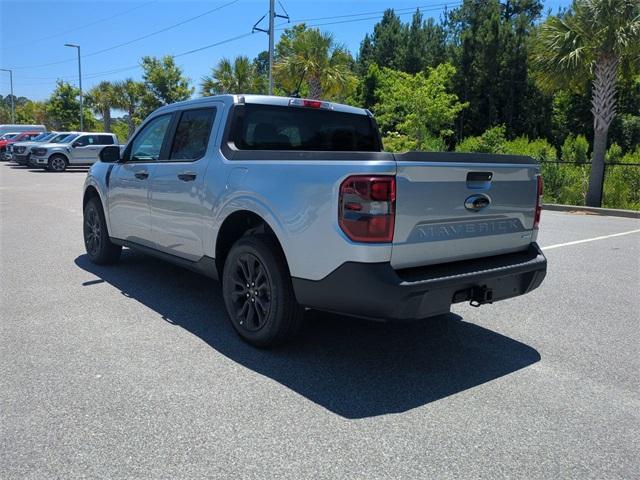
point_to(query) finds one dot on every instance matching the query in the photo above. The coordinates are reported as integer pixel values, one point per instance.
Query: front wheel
(258, 292)
(57, 163)
(96, 237)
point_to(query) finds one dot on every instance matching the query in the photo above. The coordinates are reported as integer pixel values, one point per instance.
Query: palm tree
(101, 99)
(595, 40)
(128, 96)
(313, 57)
(239, 76)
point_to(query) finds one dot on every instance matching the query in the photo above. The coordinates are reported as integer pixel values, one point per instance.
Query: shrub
(539, 149)
(630, 131)
(575, 149)
(622, 183)
(614, 154)
(565, 184)
(396, 142)
(491, 141)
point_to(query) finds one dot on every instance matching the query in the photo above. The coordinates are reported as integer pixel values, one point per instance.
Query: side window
(82, 141)
(192, 134)
(105, 140)
(148, 143)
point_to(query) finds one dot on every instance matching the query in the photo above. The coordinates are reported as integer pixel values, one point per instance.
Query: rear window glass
(267, 127)
(105, 140)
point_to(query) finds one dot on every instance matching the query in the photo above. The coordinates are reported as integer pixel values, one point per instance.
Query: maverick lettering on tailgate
(435, 232)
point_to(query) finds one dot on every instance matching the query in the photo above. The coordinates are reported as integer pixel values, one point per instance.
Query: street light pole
(13, 105)
(79, 84)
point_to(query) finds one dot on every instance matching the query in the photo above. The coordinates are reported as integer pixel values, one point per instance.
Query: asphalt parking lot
(132, 371)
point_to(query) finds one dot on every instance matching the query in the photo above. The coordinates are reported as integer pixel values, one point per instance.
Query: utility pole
(272, 17)
(271, 32)
(13, 105)
(79, 84)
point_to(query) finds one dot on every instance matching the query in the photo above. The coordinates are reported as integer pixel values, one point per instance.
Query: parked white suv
(76, 150)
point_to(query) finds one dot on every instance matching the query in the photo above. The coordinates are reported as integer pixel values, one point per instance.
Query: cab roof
(259, 100)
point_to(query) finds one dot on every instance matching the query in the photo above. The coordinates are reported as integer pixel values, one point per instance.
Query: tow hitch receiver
(480, 296)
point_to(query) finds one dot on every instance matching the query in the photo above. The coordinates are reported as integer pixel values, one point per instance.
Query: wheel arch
(236, 225)
(89, 193)
(60, 154)
(92, 190)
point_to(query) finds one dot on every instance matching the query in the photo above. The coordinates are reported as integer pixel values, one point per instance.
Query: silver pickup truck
(293, 204)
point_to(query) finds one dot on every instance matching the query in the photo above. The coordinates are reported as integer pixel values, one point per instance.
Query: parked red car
(20, 137)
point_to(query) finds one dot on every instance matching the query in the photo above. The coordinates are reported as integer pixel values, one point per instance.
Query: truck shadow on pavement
(354, 368)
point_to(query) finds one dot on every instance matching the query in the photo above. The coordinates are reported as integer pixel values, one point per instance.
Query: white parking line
(590, 239)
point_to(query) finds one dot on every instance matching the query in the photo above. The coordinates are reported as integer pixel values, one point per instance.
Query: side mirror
(74, 145)
(110, 154)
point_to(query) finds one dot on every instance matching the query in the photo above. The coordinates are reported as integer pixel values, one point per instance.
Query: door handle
(187, 176)
(141, 175)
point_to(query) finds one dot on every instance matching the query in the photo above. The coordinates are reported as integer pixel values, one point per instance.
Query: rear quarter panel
(299, 201)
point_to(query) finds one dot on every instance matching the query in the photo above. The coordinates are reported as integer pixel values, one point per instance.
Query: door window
(82, 141)
(192, 134)
(147, 145)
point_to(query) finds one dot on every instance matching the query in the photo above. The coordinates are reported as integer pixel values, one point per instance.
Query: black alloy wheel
(99, 247)
(251, 295)
(92, 232)
(258, 292)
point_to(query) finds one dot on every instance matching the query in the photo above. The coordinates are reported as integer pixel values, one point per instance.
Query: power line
(87, 25)
(220, 7)
(248, 34)
(222, 42)
(133, 67)
(375, 17)
(143, 37)
(406, 10)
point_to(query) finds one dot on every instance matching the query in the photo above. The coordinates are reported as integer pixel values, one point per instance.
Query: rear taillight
(536, 220)
(367, 208)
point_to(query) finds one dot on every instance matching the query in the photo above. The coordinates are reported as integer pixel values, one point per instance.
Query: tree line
(489, 75)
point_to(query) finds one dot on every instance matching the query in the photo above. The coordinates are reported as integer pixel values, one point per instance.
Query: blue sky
(33, 33)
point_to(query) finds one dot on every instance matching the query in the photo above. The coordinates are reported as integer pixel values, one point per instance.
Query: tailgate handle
(479, 180)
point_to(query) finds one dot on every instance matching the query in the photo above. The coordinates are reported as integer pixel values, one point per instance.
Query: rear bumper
(376, 290)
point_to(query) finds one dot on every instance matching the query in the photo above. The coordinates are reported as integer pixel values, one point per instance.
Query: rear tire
(100, 249)
(258, 293)
(57, 163)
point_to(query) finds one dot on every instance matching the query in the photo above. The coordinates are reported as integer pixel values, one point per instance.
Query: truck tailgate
(455, 206)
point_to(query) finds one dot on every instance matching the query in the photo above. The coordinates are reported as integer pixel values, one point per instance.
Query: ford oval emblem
(475, 203)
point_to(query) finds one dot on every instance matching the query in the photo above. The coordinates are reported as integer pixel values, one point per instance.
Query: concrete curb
(612, 212)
